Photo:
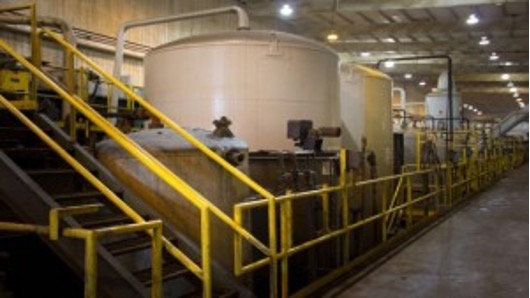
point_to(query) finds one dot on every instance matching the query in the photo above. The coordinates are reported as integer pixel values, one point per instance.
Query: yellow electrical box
(14, 85)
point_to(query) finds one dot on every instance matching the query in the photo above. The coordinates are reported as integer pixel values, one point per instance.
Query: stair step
(129, 245)
(42, 172)
(106, 221)
(77, 195)
(171, 270)
(29, 152)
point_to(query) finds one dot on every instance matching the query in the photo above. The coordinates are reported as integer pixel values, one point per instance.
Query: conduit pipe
(242, 24)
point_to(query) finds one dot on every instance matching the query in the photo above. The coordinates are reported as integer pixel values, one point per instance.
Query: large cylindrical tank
(258, 79)
(436, 103)
(366, 112)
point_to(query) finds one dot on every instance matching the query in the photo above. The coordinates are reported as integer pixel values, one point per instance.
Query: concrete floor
(481, 251)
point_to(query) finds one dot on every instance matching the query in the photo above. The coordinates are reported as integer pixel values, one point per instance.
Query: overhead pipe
(55, 22)
(82, 43)
(449, 139)
(242, 24)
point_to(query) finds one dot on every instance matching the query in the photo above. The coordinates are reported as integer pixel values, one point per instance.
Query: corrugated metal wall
(104, 17)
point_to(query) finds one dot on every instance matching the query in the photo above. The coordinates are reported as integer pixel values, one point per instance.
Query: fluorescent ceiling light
(390, 64)
(510, 85)
(513, 90)
(494, 56)
(505, 76)
(422, 83)
(286, 10)
(519, 99)
(472, 19)
(479, 113)
(484, 41)
(408, 76)
(365, 54)
(332, 37)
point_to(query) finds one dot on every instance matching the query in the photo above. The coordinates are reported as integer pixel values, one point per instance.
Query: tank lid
(265, 36)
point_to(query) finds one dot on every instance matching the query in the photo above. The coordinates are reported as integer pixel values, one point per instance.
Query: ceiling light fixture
(505, 76)
(465, 105)
(470, 107)
(286, 10)
(494, 56)
(332, 37)
(475, 110)
(519, 99)
(408, 76)
(390, 64)
(513, 90)
(472, 19)
(508, 63)
(516, 94)
(479, 113)
(422, 83)
(390, 40)
(484, 41)
(521, 104)
(510, 85)
(365, 54)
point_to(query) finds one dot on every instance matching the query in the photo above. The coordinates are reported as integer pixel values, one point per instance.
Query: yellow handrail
(85, 173)
(269, 251)
(152, 164)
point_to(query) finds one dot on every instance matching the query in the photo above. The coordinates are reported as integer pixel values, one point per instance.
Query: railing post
(449, 185)
(238, 242)
(91, 265)
(409, 200)
(325, 210)
(156, 262)
(70, 85)
(345, 205)
(286, 230)
(206, 253)
(384, 203)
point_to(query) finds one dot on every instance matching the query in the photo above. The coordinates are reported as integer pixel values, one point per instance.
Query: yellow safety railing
(206, 207)
(92, 237)
(448, 186)
(483, 171)
(160, 170)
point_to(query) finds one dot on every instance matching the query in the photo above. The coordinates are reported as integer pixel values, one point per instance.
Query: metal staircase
(35, 180)
(75, 197)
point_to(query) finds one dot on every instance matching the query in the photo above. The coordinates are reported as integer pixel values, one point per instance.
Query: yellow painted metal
(27, 228)
(325, 210)
(91, 265)
(206, 253)
(238, 242)
(384, 202)
(156, 262)
(160, 170)
(344, 205)
(57, 213)
(151, 163)
(286, 237)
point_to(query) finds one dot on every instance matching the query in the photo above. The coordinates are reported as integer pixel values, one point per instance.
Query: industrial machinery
(295, 185)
